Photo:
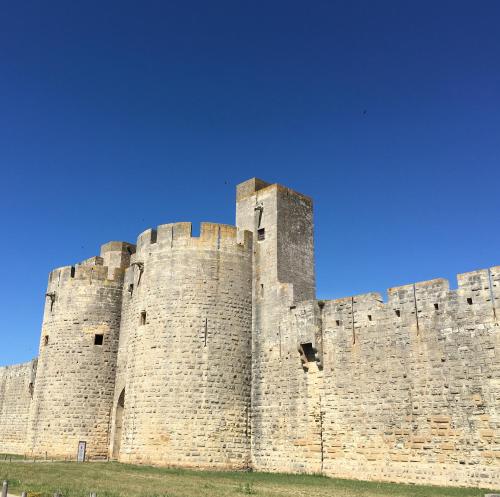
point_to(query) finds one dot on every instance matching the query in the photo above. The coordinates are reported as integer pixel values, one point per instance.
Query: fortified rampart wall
(77, 357)
(212, 352)
(16, 389)
(183, 379)
(406, 390)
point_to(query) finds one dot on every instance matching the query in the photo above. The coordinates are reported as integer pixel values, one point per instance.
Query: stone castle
(213, 352)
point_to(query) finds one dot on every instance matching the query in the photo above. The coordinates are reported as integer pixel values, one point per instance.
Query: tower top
(253, 185)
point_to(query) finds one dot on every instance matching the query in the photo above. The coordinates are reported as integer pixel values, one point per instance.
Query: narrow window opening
(45, 340)
(72, 271)
(369, 317)
(337, 322)
(154, 236)
(308, 352)
(131, 289)
(469, 300)
(436, 306)
(261, 234)
(398, 313)
(98, 339)
(143, 318)
(261, 289)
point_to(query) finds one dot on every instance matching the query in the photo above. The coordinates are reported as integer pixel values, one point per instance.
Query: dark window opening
(261, 234)
(131, 288)
(154, 236)
(398, 313)
(72, 271)
(369, 317)
(469, 301)
(45, 340)
(308, 352)
(262, 289)
(143, 318)
(436, 306)
(337, 322)
(98, 339)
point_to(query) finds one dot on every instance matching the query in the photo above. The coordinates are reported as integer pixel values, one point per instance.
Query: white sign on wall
(82, 446)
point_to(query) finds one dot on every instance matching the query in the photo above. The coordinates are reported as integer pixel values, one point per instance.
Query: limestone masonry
(213, 352)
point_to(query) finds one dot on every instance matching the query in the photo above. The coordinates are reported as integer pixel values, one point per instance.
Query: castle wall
(283, 274)
(77, 357)
(406, 390)
(214, 353)
(183, 378)
(16, 383)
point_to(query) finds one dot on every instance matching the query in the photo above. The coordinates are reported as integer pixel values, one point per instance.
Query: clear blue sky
(118, 116)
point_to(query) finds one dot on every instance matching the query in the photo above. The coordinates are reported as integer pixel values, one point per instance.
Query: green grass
(123, 480)
(10, 457)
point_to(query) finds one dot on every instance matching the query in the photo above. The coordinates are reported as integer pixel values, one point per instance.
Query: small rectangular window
(308, 352)
(337, 322)
(45, 340)
(398, 313)
(436, 306)
(72, 271)
(143, 318)
(98, 339)
(469, 301)
(261, 234)
(369, 317)
(131, 288)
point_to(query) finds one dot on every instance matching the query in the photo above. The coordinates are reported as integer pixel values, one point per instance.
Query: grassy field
(122, 480)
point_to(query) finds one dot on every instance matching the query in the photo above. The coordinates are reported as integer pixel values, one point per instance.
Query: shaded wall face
(15, 398)
(77, 358)
(184, 359)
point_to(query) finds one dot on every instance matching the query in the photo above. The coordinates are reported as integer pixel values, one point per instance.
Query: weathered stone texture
(16, 387)
(184, 360)
(283, 272)
(75, 377)
(412, 387)
(216, 354)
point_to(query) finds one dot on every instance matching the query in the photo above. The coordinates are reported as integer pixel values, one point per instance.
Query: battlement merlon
(250, 187)
(116, 255)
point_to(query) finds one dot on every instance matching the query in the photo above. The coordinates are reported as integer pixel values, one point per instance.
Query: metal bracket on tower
(140, 266)
(259, 207)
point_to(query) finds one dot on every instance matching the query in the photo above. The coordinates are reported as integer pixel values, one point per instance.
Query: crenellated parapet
(179, 235)
(109, 266)
(476, 299)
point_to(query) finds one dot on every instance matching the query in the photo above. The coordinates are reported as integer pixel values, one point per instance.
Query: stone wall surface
(407, 390)
(212, 351)
(16, 387)
(77, 357)
(184, 355)
(412, 387)
(283, 270)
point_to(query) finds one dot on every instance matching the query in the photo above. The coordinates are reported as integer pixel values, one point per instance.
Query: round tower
(74, 386)
(183, 381)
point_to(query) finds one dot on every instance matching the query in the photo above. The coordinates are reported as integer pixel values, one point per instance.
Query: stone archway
(117, 440)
